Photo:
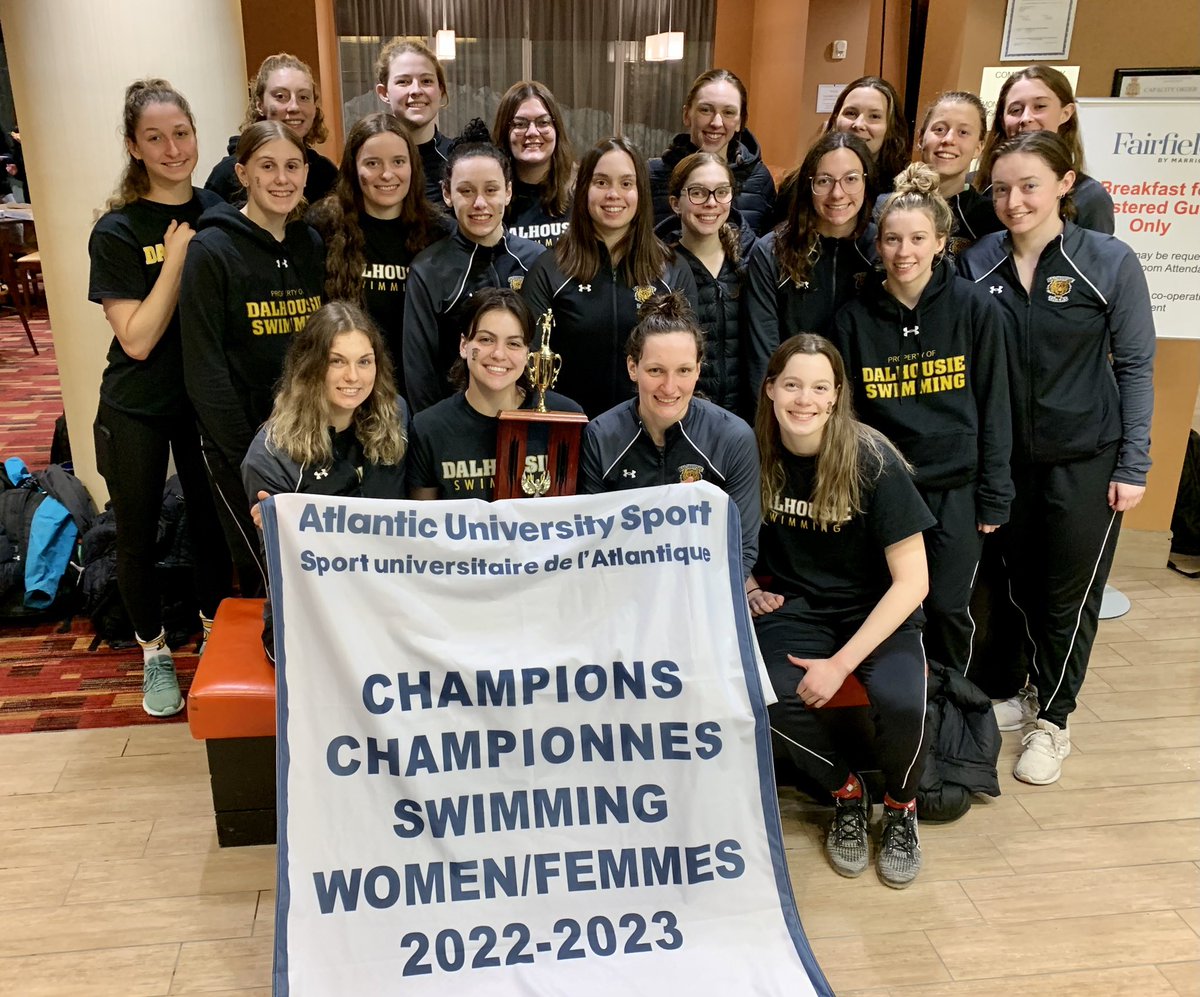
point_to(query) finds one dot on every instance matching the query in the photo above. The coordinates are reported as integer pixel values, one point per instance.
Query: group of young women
(923, 361)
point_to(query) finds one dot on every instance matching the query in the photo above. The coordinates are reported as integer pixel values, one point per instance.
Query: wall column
(70, 62)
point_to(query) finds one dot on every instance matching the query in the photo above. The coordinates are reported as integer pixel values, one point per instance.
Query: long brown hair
(258, 87)
(337, 215)
(797, 239)
(1068, 131)
(300, 420)
(729, 233)
(841, 469)
(893, 154)
(644, 257)
(556, 193)
(134, 182)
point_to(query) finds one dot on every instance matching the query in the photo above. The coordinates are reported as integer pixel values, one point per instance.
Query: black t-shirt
(453, 448)
(384, 280)
(126, 250)
(840, 572)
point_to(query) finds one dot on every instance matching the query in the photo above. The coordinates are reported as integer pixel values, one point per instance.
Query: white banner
(523, 749)
(1147, 155)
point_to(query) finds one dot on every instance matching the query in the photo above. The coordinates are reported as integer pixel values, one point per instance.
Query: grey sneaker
(1016, 713)
(846, 843)
(899, 848)
(160, 687)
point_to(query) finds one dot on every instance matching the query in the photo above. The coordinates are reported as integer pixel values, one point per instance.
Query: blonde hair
(300, 420)
(917, 189)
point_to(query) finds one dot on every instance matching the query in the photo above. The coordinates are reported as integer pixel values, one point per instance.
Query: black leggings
(233, 511)
(132, 453)
(894, 677)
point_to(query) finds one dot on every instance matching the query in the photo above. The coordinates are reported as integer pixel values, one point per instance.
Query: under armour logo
(281, 264)
(323, 473)
(997, 289)
(628, 474)
(585, 288)
(913, 331)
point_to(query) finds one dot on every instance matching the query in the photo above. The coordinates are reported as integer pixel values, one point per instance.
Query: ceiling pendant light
(443, 41)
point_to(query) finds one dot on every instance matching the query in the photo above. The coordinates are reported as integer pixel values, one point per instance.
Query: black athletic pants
(1057, 550)
(132, 453)
(952, 548)
(894, 677)
(241, 534)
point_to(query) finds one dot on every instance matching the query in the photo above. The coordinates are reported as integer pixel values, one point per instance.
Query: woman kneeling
(843, 560)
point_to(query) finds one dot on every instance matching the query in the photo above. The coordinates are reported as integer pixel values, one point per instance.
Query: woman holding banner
(666, 435)
(338, 426)
(838, 589)
(1076, 313)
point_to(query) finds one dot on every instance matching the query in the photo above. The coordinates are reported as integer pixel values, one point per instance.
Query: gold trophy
(544, 365)
(517, 477)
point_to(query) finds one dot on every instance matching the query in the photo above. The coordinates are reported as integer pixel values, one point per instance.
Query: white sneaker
(1045, 748)
(1015, 713)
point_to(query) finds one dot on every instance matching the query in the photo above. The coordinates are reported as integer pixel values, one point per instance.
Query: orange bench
(231, 707)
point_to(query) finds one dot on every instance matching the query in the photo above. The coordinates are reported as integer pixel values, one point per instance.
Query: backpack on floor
(39, 552)
(173, 571)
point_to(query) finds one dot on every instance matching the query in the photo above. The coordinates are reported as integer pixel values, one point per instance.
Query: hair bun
(672, 306)
(917, 178)
(475, 131)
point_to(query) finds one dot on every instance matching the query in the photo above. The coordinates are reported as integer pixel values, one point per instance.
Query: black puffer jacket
(755, 197)
(964, 743)
(718, 309)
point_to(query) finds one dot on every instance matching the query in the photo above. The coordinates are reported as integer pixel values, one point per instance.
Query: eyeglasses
(543, 124)
(699, 195)
(851, 183)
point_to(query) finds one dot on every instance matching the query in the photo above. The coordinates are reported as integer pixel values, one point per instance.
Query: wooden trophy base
(562, 454)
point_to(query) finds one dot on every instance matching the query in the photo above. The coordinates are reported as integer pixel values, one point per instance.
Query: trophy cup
(517, 476)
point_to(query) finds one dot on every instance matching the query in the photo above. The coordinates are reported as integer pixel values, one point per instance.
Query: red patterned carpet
(30, 396)
(50, 679)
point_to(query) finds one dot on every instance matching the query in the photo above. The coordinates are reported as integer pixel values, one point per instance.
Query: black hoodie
(755, 197)
(243, 295)
(433, 161)
(933, 379)
(776, 308)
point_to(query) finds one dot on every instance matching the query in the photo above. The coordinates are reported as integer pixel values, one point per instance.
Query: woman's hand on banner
(255, 511)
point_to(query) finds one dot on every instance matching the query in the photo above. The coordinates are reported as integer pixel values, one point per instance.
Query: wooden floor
(111, 882)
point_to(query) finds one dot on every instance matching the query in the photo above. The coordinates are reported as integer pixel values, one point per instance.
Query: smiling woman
(137, 252)
(479, 254)
(251, 280)
(337, 426)
(454, 448)
(283, 90)
(843, 574)
(375, 223)
(665, 434)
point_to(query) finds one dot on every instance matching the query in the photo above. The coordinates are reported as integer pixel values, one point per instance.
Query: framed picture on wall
(1182, 82)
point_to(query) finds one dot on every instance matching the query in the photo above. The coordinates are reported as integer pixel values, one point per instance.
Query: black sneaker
(899, 847)
(846, 843)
